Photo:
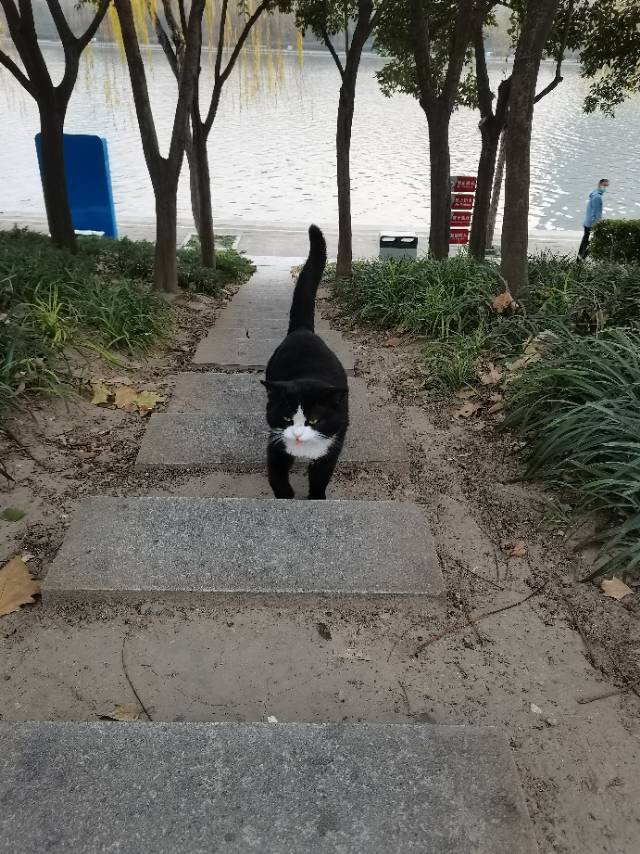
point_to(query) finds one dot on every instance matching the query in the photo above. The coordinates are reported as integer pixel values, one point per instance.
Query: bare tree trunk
(343, 151)
(515, 229)
(54, 182)
(194, 187)
(165, 268)
(52, 100)
(201, 162)
(490, 133)
(496, 191)
(440, 165)
(164, 171)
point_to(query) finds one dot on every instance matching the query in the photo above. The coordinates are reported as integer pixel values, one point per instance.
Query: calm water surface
(272, 147)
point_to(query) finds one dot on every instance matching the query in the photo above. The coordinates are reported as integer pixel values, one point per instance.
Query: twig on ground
(478, 576)
(592, 699)
(5, 473)
(131, 685)
(578, 626)
(25, 449)
(472, 625)
(462, 626)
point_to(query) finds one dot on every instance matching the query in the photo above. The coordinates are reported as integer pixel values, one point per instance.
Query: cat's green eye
(289, 420)
(312, 421)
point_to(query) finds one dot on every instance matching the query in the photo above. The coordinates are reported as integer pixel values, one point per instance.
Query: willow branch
(326, 38)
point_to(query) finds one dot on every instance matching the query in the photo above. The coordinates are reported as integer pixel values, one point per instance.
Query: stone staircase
(265, 787)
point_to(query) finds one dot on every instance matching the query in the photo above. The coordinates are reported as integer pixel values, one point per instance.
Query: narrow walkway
(268, 787)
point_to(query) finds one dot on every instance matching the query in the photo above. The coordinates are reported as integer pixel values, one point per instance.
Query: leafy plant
(51, 299)
(578, 409)
(616, 240)
(434, 298)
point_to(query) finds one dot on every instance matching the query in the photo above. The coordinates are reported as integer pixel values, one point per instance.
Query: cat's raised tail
(303, 306)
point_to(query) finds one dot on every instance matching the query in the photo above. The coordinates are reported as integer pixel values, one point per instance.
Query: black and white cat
(308, 399)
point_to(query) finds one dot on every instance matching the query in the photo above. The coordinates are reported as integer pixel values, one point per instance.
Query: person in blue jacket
(593, 214)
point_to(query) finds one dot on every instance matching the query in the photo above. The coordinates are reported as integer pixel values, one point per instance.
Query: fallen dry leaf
(147, 400)
(101, 393)
(532, 353)
(498, 406)
(392, 342)
(504, 301)
(514, 548)
(130, 400)
(125, 712)
(491, 376)
(616, 588)
(465, 411)
(125, 398)
(17, 587)
(465, 393)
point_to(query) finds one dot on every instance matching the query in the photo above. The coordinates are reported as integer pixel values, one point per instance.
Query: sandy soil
(555, 667)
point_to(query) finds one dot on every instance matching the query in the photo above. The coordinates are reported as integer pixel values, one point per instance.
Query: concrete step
(218, 421)
(264, 788)
(223, 349)
(232, 548)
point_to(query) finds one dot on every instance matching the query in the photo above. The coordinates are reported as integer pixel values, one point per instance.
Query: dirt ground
(555, 667)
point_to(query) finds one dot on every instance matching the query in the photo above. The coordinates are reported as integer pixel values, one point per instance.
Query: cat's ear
(335, 396)
(274, 388)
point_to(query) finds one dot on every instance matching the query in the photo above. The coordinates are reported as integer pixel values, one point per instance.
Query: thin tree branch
(167, 46)
(422, 52)
(62, 25)
(326, 38)
(176, 33)
(222, 77)
(23, 32)
(242, 39)
(183, 17)
(148, 133)
(188, 82)
(17, 72)
(223, 22)
(466, 20)
(483, 85)
(93, 27)
(558, 78)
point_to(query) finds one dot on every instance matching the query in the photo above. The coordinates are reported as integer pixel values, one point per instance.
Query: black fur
(304, 372)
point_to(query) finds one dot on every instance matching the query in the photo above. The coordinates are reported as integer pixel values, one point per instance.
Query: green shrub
(232, 267)
(579, 410)
(133, 259)
(51, 299)
(433, 298)
(616, 240)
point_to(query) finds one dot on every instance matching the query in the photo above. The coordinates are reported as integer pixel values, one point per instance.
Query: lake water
(272, 147)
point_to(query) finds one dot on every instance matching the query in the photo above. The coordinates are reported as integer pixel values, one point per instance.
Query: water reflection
(272, 149)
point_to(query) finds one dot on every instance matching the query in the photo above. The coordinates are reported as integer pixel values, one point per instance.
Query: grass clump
(568, 362)
(232, 267)
(578, 408)
(51, 299)
(433, 298)
(133, 259)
